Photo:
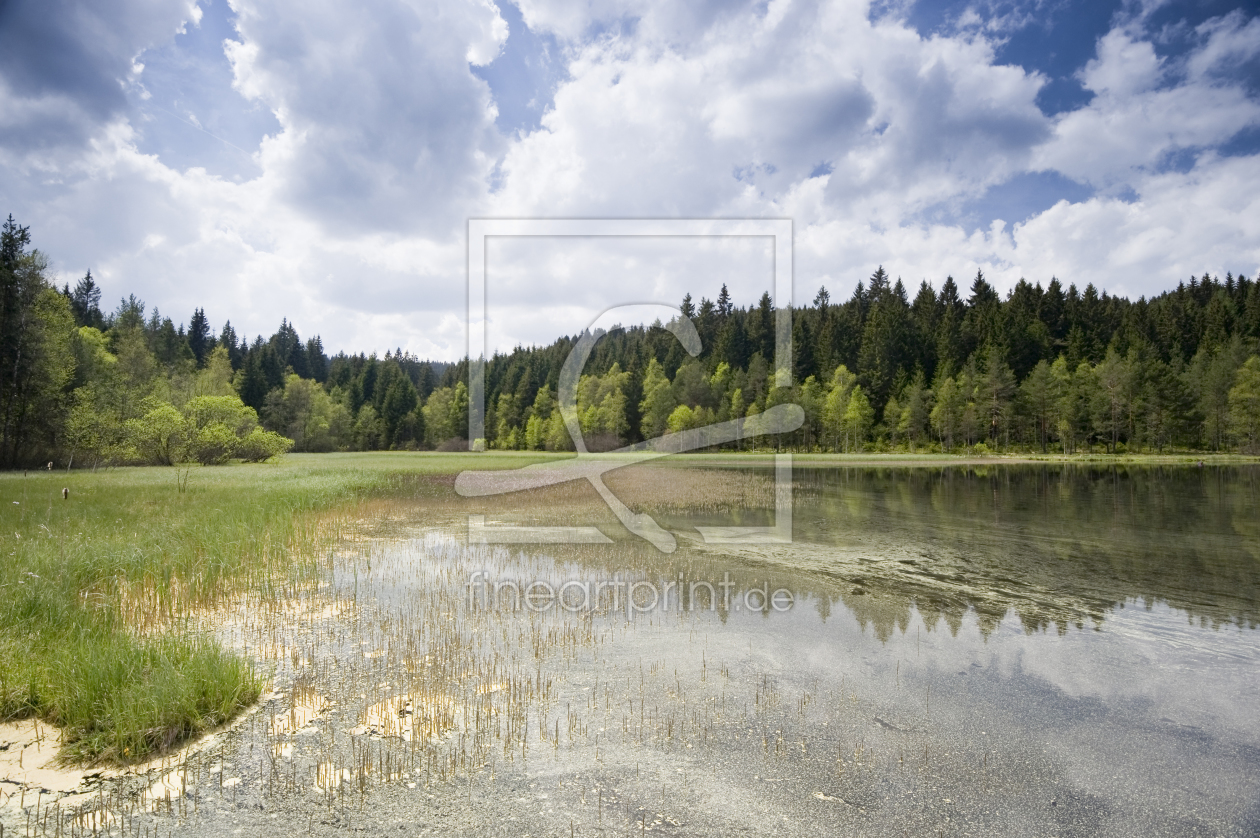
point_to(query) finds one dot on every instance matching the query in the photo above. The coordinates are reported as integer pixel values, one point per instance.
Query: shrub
(159, 436)
(213, 445)
(262, 445)
(228, 411)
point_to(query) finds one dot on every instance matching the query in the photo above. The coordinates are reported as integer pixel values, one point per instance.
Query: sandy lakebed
(1018, 650)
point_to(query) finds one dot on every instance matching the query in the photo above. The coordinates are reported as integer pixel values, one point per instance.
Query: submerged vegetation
(908, 668)
(97, 589)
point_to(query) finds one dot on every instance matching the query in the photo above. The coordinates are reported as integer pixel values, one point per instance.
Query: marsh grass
(354, 601)
(98, 590)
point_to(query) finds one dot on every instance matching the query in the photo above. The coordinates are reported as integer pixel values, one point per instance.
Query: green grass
(94, 589)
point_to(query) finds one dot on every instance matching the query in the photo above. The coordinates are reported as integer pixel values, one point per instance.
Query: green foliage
(682, 418)
(210, 430)
(1050, 368)
(212, 445)
(79, 575)
(912, 424)
(159, 436)
(1244, 407)
(601, 408)
(858, 416)
(658, 401)
(947, 413)
(305, 413)
(260, 445)
(441, 418)
(36, 351)
(836, 404)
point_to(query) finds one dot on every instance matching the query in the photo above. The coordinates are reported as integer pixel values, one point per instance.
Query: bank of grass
(93, 587)
(903, 459)
(72, 571)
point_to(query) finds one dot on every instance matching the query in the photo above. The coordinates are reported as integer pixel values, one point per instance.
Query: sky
(319, 161)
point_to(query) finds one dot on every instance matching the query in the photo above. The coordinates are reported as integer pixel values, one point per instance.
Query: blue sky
(319, 161)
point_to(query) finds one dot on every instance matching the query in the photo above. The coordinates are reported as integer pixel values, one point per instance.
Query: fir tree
(199, 339)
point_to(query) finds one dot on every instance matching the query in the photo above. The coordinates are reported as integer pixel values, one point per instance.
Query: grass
(95, 589)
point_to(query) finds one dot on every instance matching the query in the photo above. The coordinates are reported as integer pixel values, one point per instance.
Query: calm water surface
(1007, 651)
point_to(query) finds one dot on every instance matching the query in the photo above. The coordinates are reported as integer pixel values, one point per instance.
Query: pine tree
(36, 355)
(316, 360)
(199, 339)
(1039, 395)
(688, 309)
(724, 306)
(925, 316)
(915, 411)
(981, 326)
(947, 412)
(883, 351)
(994, 390)
(1109, 402)
(1251, 315)
(228, 340)
(251, 384)
(765, 340)
(949, 342)
(85, 303)
(803, 363)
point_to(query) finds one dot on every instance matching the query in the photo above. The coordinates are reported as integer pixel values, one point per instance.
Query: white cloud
(1180, 223)
(63, 65)
(1135, 122)
(1124, 67)
(385, 127)
(810, 110)
(1230, 40)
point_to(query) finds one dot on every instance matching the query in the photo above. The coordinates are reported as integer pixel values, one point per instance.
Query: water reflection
(1058, 546)
(402, 705)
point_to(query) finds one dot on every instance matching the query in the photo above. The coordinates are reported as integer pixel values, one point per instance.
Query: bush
(210, 430)
(157, 438)
(229, 411)
(262, 445)
(213, 445)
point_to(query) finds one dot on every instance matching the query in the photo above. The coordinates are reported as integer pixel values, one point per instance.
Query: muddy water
(1014, 651)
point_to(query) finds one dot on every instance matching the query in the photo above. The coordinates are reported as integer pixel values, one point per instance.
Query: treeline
(1042, 369)
(78, 385)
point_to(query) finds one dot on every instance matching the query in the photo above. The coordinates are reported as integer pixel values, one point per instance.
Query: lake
(1035, 650)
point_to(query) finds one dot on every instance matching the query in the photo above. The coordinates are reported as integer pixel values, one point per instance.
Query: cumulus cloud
(735, 122)
(882, 143)
(385, 127)
(1137, 119)
(64, 65)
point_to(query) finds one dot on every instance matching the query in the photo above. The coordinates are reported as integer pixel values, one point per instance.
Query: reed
(100, 586)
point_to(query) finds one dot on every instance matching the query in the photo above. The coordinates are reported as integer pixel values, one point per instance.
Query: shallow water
(1016, 650)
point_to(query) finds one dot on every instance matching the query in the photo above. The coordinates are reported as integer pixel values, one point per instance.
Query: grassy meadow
(94, 588)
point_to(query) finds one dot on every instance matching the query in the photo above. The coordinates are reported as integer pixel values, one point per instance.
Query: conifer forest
(945, 368)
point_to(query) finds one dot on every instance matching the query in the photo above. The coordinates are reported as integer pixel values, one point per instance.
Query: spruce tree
(199, 340)
(85, 302)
